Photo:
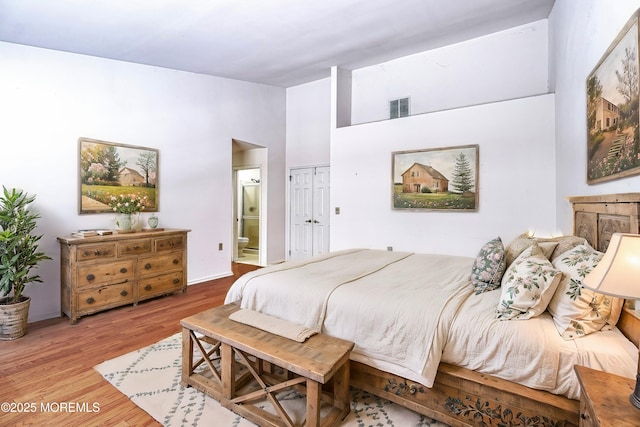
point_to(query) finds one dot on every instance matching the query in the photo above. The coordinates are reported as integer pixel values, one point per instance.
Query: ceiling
(276, 42)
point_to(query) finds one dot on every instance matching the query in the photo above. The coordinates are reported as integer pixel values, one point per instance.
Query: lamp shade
(618, 272)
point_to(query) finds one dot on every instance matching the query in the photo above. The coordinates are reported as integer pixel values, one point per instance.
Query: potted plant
(19, 254)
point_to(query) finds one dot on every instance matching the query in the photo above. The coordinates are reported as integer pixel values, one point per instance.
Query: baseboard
(208, 278)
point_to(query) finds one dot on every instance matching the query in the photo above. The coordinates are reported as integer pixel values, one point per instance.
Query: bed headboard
(596, 218)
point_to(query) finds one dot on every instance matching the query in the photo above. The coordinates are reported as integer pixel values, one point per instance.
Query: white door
(309, 212)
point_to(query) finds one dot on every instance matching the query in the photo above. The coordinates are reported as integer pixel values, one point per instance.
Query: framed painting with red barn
(436, 179)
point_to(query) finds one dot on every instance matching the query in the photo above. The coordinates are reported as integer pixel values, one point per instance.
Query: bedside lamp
(618, 275)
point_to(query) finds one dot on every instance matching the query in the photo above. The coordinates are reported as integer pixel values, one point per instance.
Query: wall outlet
(219, 246)
(337, 210)
(390, 248)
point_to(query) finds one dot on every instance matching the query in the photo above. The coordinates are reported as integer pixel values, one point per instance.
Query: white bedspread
(532, 352)
(408, 331)
(407, 312)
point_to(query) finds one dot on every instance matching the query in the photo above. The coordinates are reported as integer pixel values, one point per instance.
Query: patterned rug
(150, 377)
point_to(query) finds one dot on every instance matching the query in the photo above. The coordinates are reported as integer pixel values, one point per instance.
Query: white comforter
(407, 312)
(396, 306)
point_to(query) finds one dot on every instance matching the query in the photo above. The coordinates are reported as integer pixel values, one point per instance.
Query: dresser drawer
(97, 274)
(169, 243)
(160, 284)
(111, 295)
(134, 247)
(161, 263)
(97, 251)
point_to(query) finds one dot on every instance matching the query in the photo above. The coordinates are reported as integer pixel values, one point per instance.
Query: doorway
(248, 218)
(253, 159)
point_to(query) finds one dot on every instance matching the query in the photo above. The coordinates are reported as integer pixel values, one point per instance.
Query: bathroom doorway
(248, 207)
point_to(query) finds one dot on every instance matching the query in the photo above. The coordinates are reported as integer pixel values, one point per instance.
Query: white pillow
(527, 286)
(578, 311)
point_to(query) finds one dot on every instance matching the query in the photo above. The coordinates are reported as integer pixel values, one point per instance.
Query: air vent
(399, 108)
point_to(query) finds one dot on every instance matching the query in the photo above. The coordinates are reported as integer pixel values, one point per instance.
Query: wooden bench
(319, 368)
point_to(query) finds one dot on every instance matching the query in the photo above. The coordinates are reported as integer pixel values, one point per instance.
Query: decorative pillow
(517, 246)
(578, 311)
(525, 240)
(489, 267)
(565, 243)
(528, 285)
(547, 248)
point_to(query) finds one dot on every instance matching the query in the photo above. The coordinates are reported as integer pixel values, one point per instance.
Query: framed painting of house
(109, 169)
(436, 179)
(613, 146)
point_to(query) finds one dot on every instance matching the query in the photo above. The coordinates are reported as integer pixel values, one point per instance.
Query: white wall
(516, 182)
(49, 99)
(308, 119)
(515, 138)
(581, 32)
(505, 65)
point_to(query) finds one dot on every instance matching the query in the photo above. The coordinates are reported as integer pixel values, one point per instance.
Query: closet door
(309, 212)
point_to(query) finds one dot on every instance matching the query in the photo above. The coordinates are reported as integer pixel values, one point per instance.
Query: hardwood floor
(47, 376)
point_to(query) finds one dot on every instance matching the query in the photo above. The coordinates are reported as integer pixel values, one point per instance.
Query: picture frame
(107, 169)
(436, 179)
(612, 93)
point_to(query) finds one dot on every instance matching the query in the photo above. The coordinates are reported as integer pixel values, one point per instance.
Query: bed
(437, 346)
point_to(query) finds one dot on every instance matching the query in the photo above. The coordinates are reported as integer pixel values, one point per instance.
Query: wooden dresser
(102, 272)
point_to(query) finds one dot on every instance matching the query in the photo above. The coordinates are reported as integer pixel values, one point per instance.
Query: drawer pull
(176, 281)
(123, 270)
(124, 293)
(90, 277)
(147, 288)
(97, 253)
(90, 300)
(176, 261)
(147, 266)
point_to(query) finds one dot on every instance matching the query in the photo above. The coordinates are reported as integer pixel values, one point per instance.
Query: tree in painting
(99, 164)
(462, 180)
(147, 162)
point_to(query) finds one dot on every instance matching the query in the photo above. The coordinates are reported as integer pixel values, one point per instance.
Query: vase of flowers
(127, 207)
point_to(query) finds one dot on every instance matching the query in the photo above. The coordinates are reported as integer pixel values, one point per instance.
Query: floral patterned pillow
(578, 311)
(489, 267)
(527, 286)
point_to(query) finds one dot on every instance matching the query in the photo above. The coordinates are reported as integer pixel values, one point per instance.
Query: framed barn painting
(613, 146)
(444, 179)
(108, 169)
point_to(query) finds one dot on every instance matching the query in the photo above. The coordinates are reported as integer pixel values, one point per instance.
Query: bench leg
(341, 395)
(314, 390)
(187, 357)
(228, 368)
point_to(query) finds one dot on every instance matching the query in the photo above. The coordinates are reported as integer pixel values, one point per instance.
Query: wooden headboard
(596, 218)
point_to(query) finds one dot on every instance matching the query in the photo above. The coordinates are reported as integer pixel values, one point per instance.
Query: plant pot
(126, 222)
(13, 318)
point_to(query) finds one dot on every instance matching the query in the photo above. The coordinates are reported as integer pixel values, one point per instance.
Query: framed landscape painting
(436, 179)
(109, 169)
(613, 146)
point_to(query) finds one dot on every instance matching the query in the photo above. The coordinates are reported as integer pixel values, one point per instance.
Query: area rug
(150, 377)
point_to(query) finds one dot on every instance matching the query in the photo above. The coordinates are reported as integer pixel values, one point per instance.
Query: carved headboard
(596, 218)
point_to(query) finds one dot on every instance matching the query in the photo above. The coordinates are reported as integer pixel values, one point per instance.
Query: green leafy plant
(19, 252)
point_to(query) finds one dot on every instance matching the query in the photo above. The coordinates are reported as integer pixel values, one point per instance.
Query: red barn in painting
(419, 177)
